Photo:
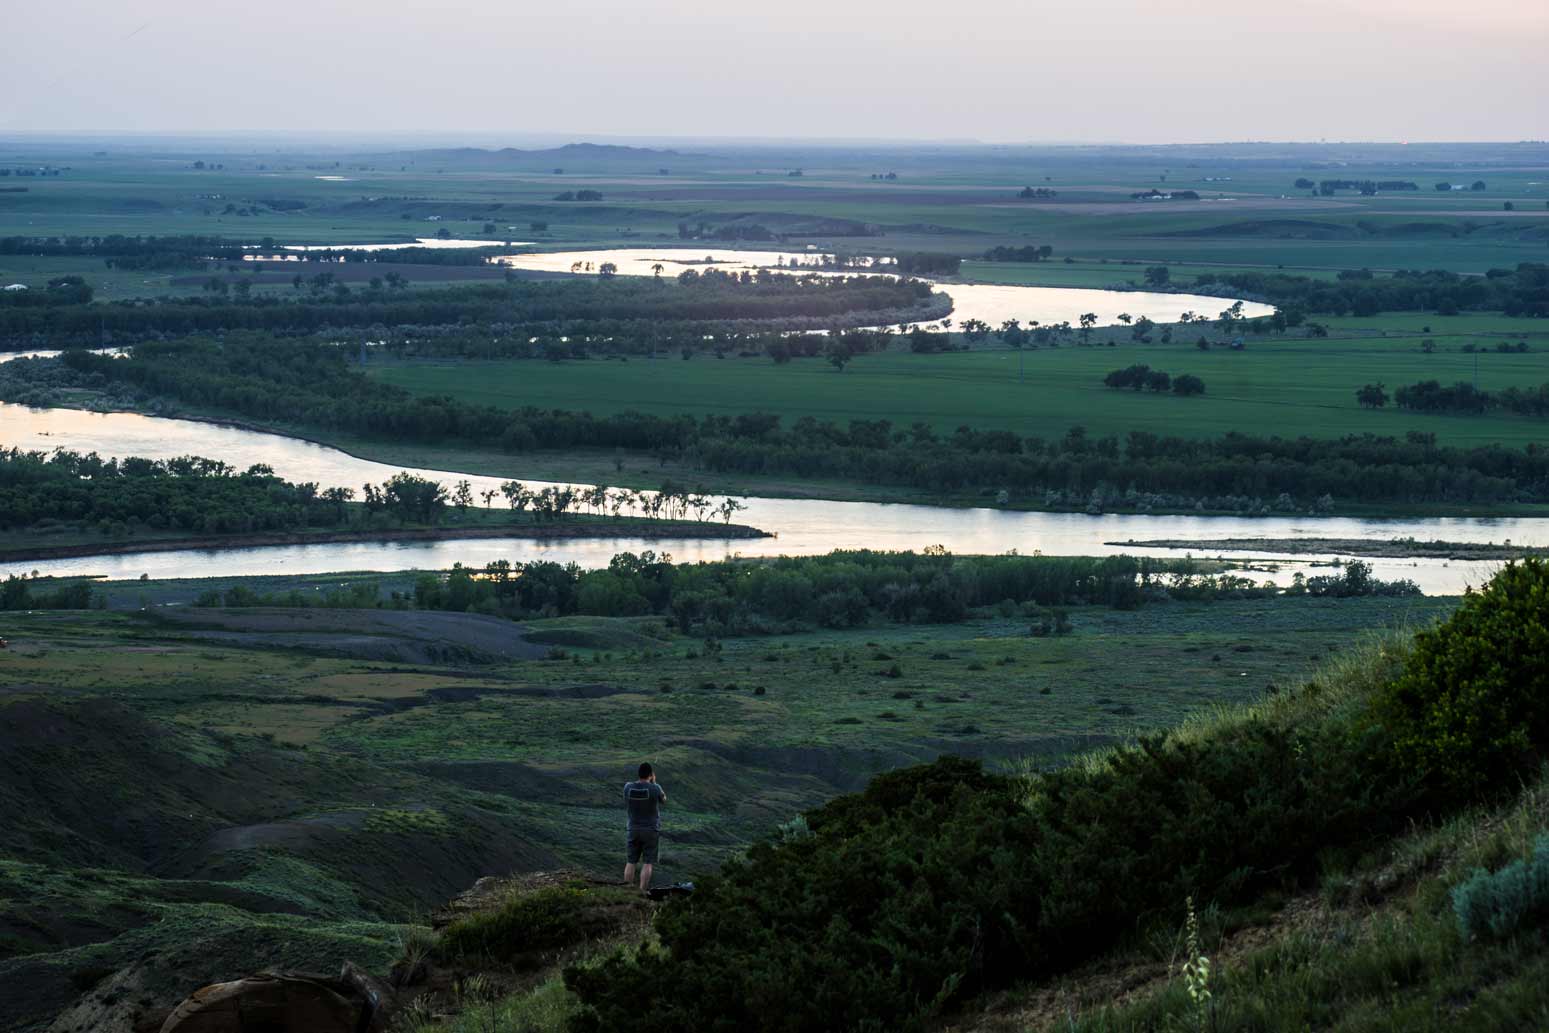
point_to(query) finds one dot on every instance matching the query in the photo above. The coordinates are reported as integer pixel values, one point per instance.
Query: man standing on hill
(643, 798)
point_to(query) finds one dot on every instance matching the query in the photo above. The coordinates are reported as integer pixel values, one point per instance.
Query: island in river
(1393, 548)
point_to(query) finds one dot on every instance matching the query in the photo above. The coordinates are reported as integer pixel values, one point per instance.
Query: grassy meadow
(1293, 385)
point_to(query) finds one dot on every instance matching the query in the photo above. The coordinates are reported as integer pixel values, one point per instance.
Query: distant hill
(571, 152)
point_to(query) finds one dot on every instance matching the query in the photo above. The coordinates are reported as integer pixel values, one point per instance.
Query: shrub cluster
(1463, 397)
(1497, 904)
(847, 589)
(19, 593)
(1469, 712)
(1141, 377)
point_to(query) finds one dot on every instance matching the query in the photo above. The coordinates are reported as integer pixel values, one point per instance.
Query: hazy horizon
(1113, 72)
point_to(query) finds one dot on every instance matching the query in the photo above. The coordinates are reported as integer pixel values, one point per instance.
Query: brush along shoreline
(1395, 548)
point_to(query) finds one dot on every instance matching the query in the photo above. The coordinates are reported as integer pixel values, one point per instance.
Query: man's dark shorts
(642, 845)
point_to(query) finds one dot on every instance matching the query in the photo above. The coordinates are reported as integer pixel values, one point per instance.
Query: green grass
(1292, 386)
(1377, 947)
(88, 924)
(987, 676)
(539, 921)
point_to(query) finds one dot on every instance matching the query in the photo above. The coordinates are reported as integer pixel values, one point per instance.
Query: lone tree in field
(839, 355)
(1158, 275)
(1372, 396)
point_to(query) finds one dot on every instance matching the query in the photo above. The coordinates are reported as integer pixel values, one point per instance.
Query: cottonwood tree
(839, 355)
(1088, 320)
(462, 498)
(414, 498)
(338, 497)
(1372, 396)
(517, 495)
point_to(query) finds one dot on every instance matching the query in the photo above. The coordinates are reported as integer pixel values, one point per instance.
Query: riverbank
(635, 528)
(643, 472)
(1396, 548)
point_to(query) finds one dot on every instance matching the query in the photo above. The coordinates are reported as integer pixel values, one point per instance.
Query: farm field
(956, 200)
(1292, 386)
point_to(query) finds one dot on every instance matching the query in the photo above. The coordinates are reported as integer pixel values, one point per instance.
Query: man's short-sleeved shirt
(643, 799)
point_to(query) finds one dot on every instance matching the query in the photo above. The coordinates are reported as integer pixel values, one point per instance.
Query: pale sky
(993, 70)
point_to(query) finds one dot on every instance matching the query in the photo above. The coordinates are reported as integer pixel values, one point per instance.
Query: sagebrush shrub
(1499, 903)
(1471, 709)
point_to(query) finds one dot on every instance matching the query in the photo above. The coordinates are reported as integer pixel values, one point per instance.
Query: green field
(1286, 386)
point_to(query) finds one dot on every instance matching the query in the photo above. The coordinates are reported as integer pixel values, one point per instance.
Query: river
(992, 303)
(802, 526)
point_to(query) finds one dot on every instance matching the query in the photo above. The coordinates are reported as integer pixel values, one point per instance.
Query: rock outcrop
(293, 1002)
